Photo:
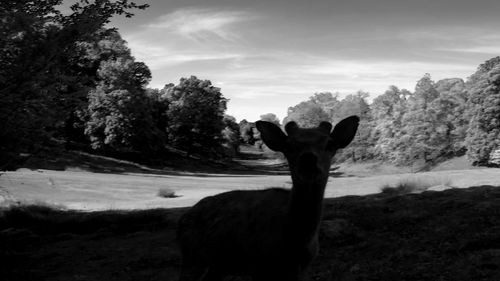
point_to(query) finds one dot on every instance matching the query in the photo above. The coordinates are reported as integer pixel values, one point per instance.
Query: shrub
(166, 192)
(414, 185)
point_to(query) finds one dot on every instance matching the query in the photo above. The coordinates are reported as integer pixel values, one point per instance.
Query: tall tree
(120, 110)
(104, 46)
(40, 81)
(159, 108)
(361, 146)
(247, 132)
(483, 135)
(421, 126)
(329, 103)
(230, 135)
(387, 111)
(452, 115)
(270, 117)
(307, 114)
(195, 115)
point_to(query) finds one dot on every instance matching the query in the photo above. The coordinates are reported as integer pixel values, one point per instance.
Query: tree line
(67, 81)
(438, 120)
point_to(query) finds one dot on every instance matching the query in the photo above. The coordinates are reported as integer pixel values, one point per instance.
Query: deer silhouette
(267, 234)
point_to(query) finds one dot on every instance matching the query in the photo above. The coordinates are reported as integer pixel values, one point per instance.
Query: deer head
(309, 151)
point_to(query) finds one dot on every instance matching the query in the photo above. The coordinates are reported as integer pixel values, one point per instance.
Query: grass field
(77, 225)
(101, 191)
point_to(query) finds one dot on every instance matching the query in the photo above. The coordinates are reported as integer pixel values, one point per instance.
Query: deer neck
(306, 205)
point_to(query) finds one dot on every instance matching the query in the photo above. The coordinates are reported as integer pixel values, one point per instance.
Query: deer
(269, 234)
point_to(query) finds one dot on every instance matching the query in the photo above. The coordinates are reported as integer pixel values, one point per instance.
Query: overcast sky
(268, 55)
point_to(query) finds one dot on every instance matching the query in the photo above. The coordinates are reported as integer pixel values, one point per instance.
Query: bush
(413, 185)
(166, 192)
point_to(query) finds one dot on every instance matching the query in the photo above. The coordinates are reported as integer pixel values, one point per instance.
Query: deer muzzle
(308, 166)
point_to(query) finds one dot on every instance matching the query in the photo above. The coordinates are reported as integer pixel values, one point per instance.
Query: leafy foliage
(422, 135)
(231, 135)
(120, 109)
(307, 114)
(195, 114)
(361, 147)
(247, 130)
(452, 113)
(65, 79)
(399, 126)
(484, 104)
(387, 111)
(43, 77)
(120, 120)
(270, 117)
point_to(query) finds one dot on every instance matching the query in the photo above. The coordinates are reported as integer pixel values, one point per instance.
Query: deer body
(266, 234)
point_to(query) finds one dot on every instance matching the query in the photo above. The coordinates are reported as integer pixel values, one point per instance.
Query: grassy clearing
(415, 184)
(102, 191)
(11, 203)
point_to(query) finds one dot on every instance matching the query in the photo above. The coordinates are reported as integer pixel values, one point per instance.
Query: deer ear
(272, 135)
(344, 132)
(325, 126)
(291, 127)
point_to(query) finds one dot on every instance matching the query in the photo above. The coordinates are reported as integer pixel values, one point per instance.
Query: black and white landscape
(116, 117)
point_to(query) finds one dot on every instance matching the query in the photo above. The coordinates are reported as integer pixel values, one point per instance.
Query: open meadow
(80, 190)
(80, 225)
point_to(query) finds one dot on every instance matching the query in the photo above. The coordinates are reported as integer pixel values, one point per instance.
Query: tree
(270, 117)
(195, 115)
(387, 112)
(452, 113)
(424, 132)
(354, 104)
(231, 135)
(307, 114)
(120, 110)
(247, 132)
(329, 103)
(104, 46)
(159, 108)
(484, 104)
(361, 146)
(41, 80)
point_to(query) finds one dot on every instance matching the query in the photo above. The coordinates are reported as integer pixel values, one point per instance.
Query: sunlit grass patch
(10, 203)
(415, 184)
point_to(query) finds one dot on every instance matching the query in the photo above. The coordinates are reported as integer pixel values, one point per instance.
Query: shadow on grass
(43, 243)
(48, 220)
(447, 235)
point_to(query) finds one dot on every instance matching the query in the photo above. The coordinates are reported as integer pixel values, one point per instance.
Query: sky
(269, 55)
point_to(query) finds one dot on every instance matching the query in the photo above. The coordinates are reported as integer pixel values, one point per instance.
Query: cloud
(493, 50)
(157, 56)
(379, 68)
(293, 73)
(202, 24)
(267, 65)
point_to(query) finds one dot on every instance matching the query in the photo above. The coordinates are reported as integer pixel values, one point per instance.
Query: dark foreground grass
(449, 235)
